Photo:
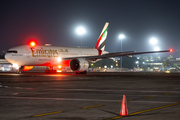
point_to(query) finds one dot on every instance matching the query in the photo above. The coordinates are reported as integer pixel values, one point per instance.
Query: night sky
(55, 21)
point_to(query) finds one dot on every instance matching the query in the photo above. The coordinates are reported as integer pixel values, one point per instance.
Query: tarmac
(95, 96)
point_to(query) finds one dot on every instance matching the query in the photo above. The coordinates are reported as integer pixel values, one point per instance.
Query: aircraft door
(80, 52)
(28, 53)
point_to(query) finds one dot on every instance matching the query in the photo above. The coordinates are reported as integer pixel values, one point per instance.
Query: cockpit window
(12, 51)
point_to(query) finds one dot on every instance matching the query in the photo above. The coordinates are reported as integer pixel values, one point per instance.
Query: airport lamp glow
(121, 36)
(153, 41)
(80, 31)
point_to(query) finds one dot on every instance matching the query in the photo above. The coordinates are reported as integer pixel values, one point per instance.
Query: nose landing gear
(19, 70)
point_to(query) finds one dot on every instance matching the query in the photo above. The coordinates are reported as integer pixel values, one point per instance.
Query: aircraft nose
(7, 57)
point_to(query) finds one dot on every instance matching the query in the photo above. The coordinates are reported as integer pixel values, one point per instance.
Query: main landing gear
(51, 70)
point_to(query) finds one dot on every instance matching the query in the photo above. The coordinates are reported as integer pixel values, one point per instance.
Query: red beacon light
(32, 44)
(171, 50)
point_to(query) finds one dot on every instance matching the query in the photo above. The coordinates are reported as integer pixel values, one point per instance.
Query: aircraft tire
(51, 71)
(84, 72)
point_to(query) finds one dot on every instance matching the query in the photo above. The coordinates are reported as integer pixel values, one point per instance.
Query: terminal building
(5, 65)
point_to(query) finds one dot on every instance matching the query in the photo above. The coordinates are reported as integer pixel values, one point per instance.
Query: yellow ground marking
(114, 118)
(155, 108)
(145, 111)
(168, 93)
(91, 106)
(148, 97)
(47, 114)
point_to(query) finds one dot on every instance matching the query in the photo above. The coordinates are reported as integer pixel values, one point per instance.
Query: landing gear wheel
(84, 72)
(51, 71)
(19, 70)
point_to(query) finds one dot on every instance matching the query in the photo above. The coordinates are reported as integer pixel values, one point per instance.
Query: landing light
(59, 70)
(59, 66)
(59, 59)
(15, 65)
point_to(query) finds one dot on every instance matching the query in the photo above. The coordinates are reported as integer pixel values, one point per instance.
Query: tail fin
(102, 38)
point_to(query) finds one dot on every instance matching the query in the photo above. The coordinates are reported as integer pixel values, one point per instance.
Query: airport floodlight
(156, 49)
(153, 41)
(143, 62)
(137, 62)
(80, 30)
(105, 66)
(121, 36)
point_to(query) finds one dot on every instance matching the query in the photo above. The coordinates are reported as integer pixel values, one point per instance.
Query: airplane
(24, 57)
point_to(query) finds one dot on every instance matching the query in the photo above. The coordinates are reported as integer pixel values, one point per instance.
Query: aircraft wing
(117, 54)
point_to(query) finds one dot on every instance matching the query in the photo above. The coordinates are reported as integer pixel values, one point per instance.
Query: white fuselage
(25, 55)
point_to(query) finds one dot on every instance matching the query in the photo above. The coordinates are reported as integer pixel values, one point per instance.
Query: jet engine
(79, 64)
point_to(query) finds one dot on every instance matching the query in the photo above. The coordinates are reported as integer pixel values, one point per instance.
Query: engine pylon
(124, 111)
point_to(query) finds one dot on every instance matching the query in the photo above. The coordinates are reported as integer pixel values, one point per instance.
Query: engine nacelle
(79, 64)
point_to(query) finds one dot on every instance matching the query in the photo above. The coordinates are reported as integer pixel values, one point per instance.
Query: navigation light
(171, 50)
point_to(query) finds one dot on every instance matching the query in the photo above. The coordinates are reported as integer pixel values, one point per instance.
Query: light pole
(80, 31)
(121, 37)
(153, 42)
(156, 49)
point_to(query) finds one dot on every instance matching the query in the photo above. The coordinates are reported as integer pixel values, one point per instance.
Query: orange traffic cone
(124, 111)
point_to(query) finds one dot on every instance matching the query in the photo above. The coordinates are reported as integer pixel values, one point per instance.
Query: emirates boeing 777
(78, 59)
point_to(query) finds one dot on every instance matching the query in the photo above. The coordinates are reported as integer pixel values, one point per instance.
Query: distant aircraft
(78, 59)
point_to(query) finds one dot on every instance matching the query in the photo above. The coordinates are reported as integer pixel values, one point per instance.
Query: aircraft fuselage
(25, 55)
